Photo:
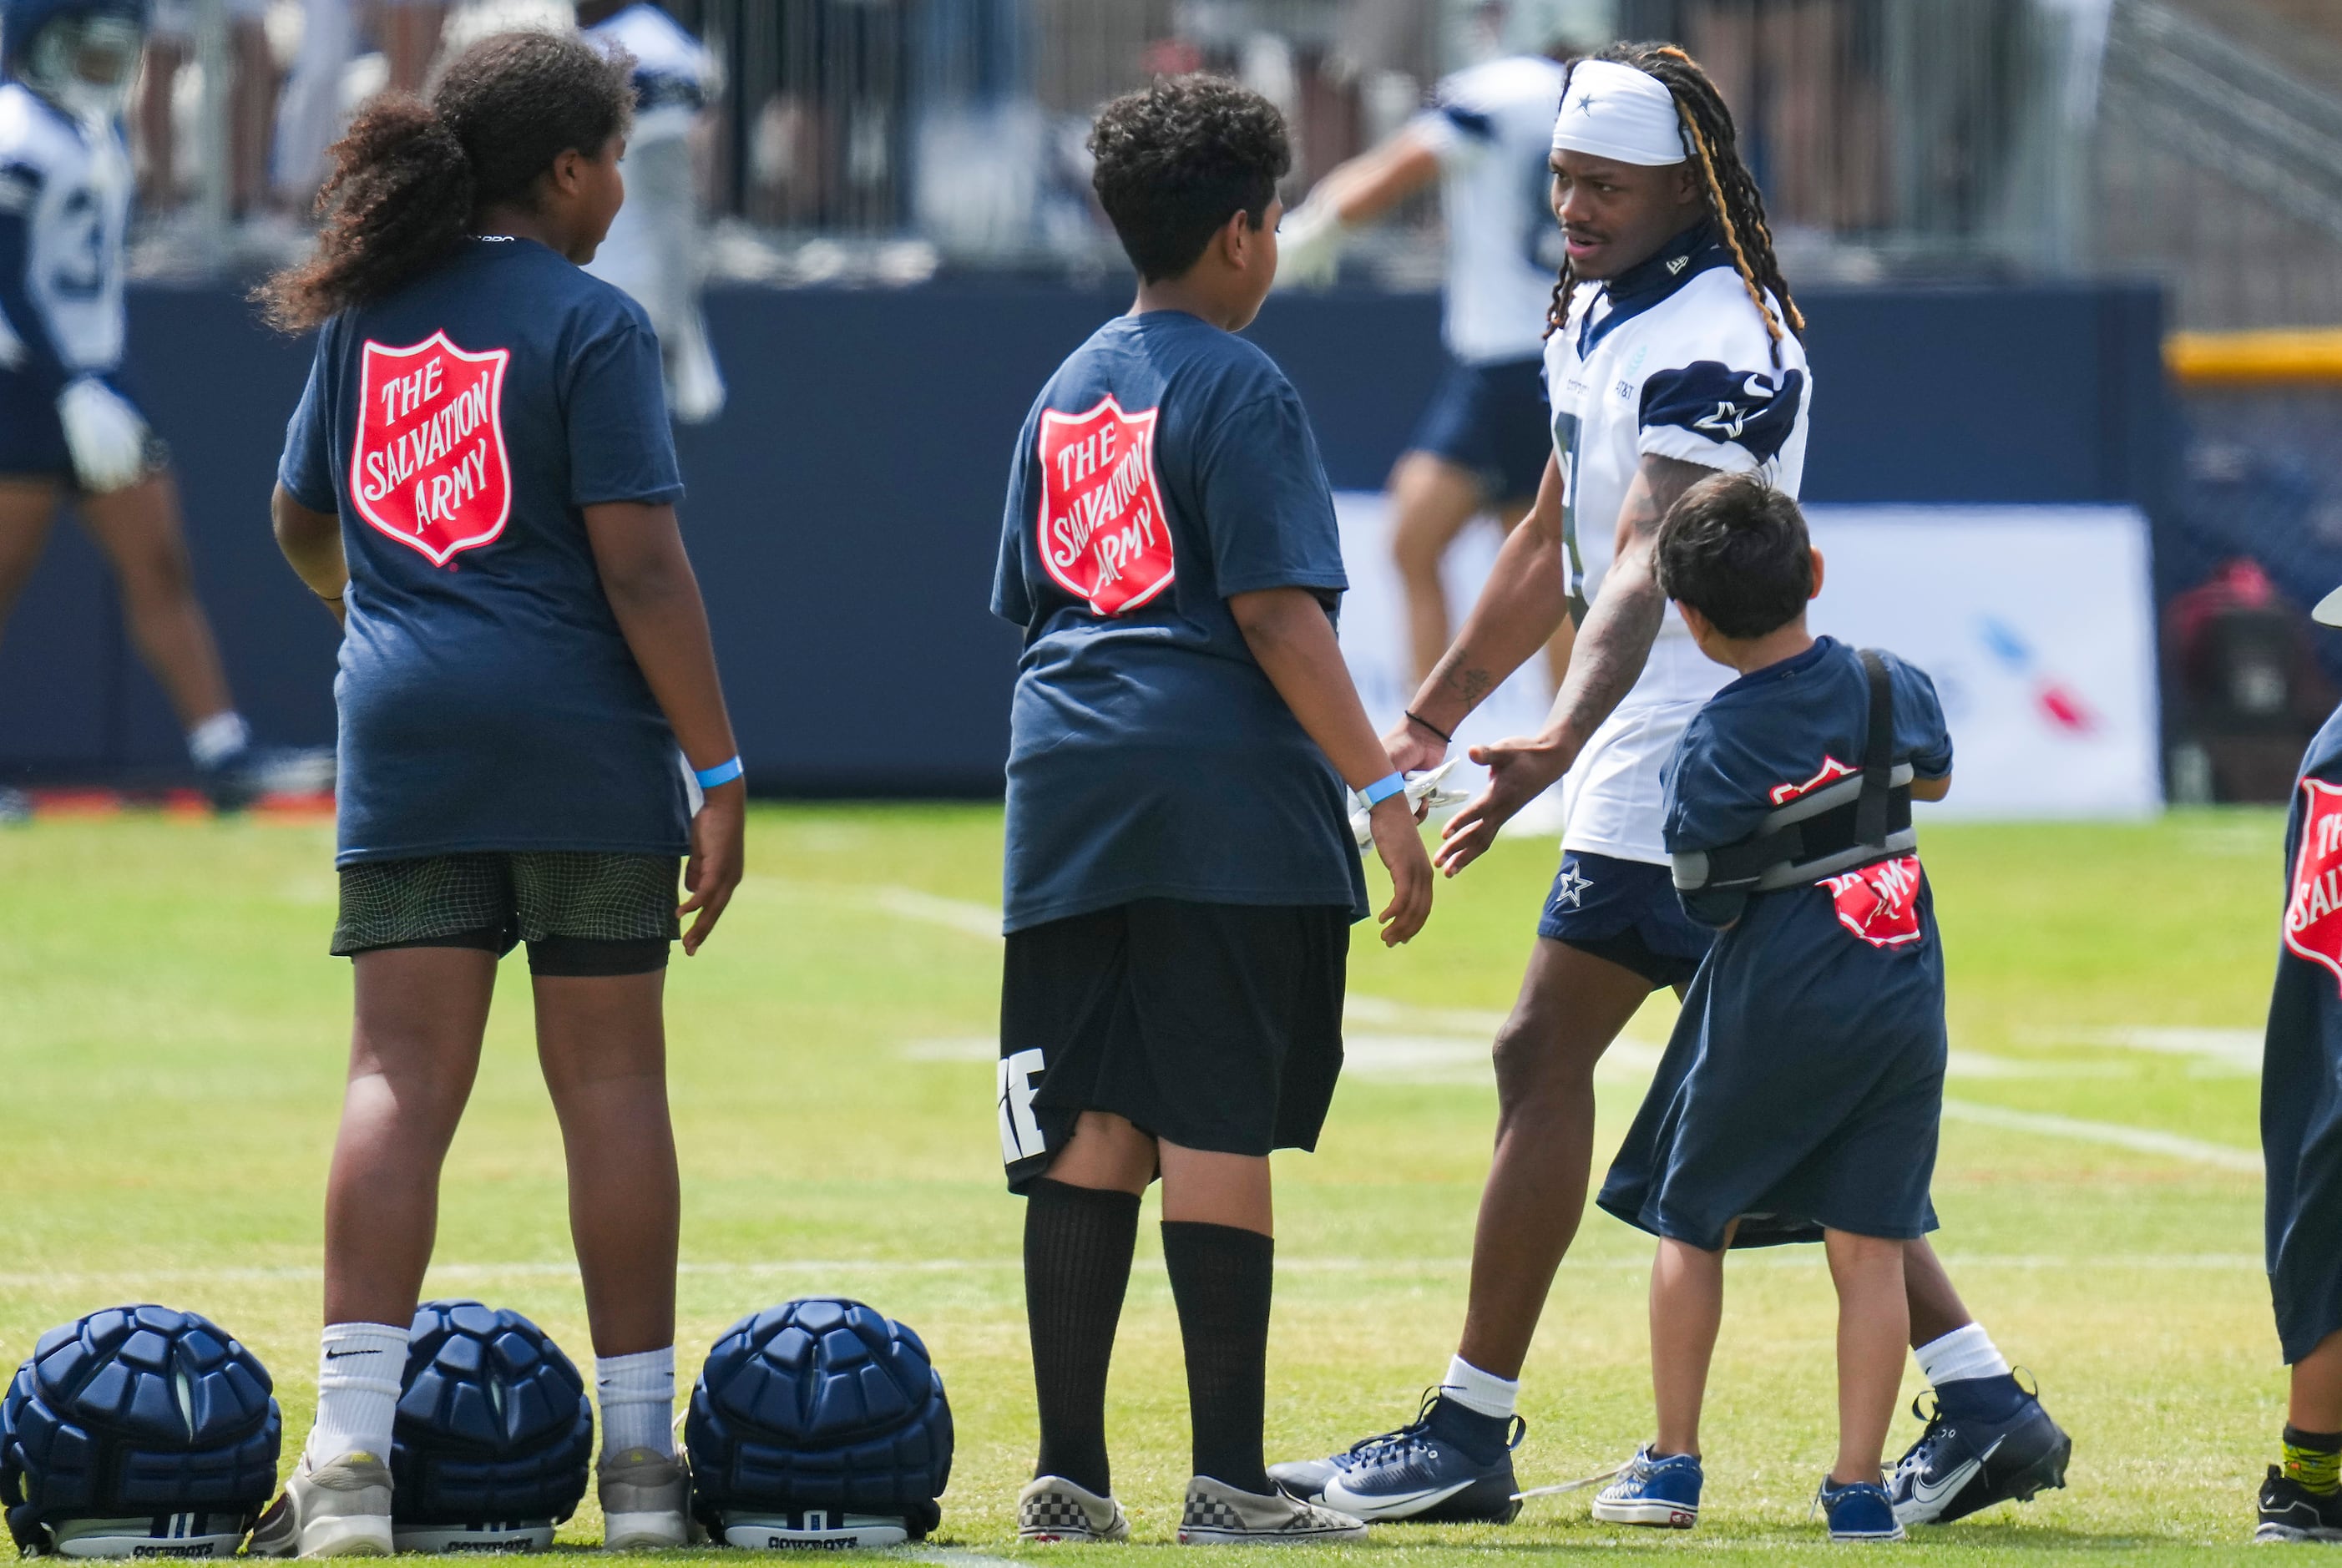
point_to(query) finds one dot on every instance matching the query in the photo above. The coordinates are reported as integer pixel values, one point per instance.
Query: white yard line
(2196, 1150)
(958, 915)
(2238, 1050)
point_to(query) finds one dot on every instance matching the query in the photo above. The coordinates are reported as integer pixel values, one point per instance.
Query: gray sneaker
(1218, 1515)
(646, 1500)
(1052, 1508)
(341, 1508)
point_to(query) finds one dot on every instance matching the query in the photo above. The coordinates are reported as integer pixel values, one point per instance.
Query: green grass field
(171, 1049)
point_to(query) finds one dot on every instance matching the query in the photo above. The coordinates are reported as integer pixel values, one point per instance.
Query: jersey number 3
(1102, 532)
(428, 467)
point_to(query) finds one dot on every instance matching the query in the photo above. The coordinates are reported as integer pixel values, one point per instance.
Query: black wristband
(1414, 718)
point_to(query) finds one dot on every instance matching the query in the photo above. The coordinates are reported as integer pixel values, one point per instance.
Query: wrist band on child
(1383, 788)
(1414, 718)
(721, 774)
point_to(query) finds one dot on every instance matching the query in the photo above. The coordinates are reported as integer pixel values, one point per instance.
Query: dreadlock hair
(1733, 199)
(411, 178)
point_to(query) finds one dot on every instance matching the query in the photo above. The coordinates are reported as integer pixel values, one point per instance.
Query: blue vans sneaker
(1858, 1510)
(1987, 1440)
(1659, 1491)
(1450, 1465)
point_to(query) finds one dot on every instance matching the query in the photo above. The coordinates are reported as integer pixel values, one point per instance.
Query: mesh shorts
(580, 913)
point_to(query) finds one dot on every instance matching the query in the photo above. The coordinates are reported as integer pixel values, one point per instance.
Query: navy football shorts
(581, 913)
(31, 439)
(1490, 419)
(1626, 912)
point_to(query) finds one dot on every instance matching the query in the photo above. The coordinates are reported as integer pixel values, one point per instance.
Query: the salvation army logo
(429, 468)
(2313, 910)
(1103, 534)
(1880, 902)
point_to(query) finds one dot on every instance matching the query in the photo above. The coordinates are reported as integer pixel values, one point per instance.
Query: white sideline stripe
(2222, 1156)
(955, 1557)
(2239, 1049)
(953, 914)
(1450, 1268)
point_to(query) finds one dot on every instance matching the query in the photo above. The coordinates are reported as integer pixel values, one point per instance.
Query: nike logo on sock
(338, 1354)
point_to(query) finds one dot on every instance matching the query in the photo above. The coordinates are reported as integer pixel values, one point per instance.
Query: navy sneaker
(1858, 1510)
(1663, 1492)
(1450, 1465)
(2291, 1512)
(1987, 1440)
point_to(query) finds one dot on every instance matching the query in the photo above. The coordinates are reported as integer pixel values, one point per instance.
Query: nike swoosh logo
(338, 1354)
(1923, 1493)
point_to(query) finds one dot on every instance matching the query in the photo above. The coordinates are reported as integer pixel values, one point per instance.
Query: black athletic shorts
(1216, 1027)
(581, 913)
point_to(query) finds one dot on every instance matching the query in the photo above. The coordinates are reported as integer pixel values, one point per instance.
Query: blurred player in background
(654, 249)
(481, 479)
(2301, 1142)
(1180, 878)
(67, 424)
(409, 33)
(252, 103)
(1675, 354)
(1482, 443)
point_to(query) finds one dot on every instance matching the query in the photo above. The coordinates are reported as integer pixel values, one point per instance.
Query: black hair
(1735, 549)
(1733, 200)
(411, 178)
(1177, 159)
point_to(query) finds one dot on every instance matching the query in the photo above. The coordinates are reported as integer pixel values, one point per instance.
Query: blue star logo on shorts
(1570, 887)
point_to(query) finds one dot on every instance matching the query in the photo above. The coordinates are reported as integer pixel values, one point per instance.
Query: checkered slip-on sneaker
(1219, 1515)
(1052, 1508)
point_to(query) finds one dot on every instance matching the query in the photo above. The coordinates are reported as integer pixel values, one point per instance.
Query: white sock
(637, 1394)
(358, 1369)
(1964, 1353)
(1483, 1392)
(217, 738)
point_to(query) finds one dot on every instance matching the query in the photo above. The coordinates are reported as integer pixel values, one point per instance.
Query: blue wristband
(1383, 788)
(721, 774)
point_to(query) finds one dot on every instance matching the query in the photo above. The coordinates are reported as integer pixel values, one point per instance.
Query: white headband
(1615, 110)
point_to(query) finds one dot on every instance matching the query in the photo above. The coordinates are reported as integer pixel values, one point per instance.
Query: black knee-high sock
(1220, 1278)
(1077, 1246)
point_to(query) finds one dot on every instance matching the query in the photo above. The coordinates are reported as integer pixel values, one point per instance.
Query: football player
(1674, 354)
(67, 425)
(1481, 445)
(654, 249)
(2301, 1140)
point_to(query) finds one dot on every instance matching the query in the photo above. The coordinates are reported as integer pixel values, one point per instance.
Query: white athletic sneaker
(646, 1500)
(342, 1508)
(1217, 1514)
(1052, 1508)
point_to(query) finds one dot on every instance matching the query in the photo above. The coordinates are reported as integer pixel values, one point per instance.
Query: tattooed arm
(1612, 646)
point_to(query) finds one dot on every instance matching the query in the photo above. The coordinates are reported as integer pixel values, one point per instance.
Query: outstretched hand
(1520, 770)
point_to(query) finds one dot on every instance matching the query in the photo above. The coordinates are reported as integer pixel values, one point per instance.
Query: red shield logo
(1832, 770)
(1103, 534)
(2313, 909)
(1879, 904)
(428, 467)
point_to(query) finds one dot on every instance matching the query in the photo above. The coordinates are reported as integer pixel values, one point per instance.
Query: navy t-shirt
(458, 428)
(1778, 733)
(1166, 466)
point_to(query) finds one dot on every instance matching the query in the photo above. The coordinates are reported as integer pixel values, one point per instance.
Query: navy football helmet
(137, 1431)
(818, 1423)
(494, 1434)
(80, 54)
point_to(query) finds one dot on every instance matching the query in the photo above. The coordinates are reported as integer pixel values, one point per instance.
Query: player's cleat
(1659, 1491)
(646, 1500)
(1052, 1508)
(340, 1509)
(1427, 1471)
(251, 772)
(1858, 1510)
(1964, 1461)
(2291, 1512)
(1219, 1515)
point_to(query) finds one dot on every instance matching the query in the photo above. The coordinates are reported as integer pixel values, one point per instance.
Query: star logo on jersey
(428, 467)
(1728, 420)
(1103, 534)
(2313, 909)
(1570, 886)
(1879, 902)
(1830, 772)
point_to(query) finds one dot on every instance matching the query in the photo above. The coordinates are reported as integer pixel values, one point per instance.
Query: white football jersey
(1491, 128)
(652, 250)
(68, 184)
(1671, 359)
